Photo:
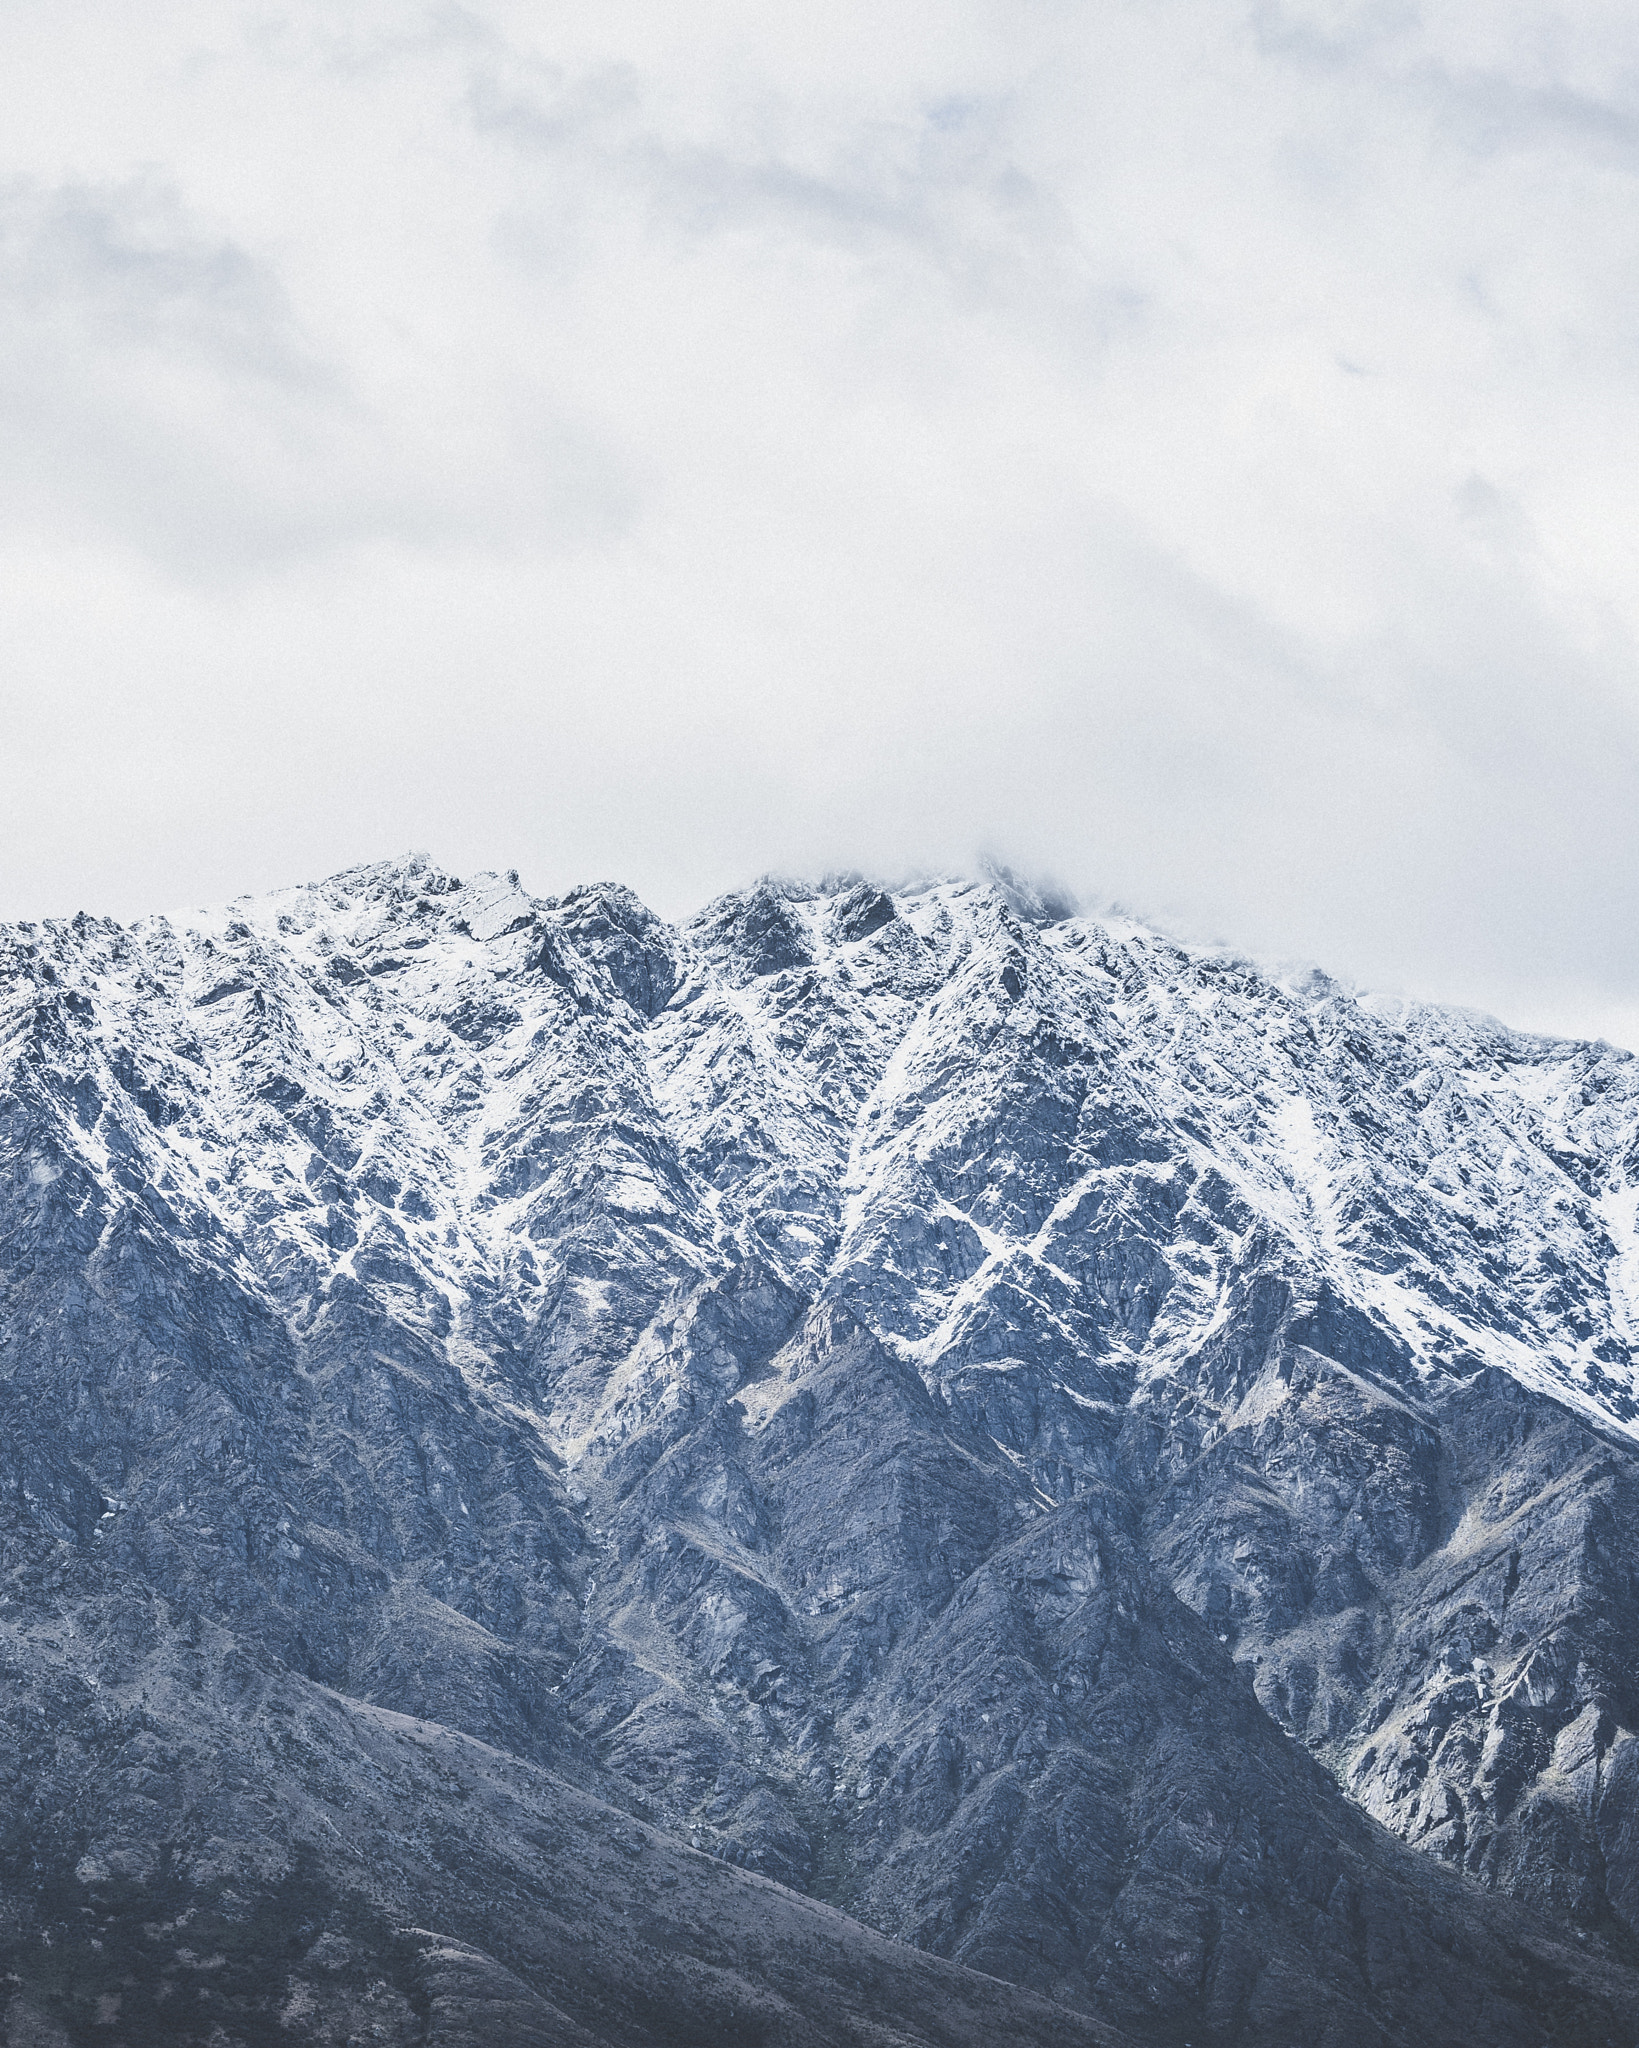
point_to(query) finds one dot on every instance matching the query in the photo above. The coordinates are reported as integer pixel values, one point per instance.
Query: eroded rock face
(520, 1424)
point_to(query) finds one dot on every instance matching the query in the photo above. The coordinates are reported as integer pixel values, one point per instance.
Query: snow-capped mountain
(915, 1396)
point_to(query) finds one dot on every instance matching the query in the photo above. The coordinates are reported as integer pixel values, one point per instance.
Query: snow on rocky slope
(425, 1084)
(844, 1379)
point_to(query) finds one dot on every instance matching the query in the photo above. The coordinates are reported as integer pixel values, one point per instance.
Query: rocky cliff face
(569, 1479)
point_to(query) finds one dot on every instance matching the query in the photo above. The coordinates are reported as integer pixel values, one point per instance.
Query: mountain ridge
(838, 1380)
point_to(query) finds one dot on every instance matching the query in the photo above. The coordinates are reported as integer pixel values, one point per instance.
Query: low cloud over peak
(1190, 451)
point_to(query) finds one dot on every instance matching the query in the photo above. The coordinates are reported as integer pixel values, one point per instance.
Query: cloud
(125, 267)
(935, 181)
(1188, 450)
(137, 347)
(159, 392)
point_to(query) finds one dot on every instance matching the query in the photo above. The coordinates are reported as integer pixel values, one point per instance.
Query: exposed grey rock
(860, 912)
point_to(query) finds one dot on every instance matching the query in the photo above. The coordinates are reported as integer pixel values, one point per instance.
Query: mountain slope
(920, 1397)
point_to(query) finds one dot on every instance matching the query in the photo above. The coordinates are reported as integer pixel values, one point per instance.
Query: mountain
(872, 1468)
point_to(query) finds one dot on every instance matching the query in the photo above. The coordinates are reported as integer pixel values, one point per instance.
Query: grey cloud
(1483, 108)
(1332, 35)
(539, 108)
(114, 266)
(1490, 113)
(940, 183)
(157, 389)
(359, 48)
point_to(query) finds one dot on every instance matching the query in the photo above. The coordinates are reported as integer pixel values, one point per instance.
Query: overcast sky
(1187, 448)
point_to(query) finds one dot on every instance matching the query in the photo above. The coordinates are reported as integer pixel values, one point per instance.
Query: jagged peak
(612, 899)
(406, 874)
(1037, 901)
(755, 931)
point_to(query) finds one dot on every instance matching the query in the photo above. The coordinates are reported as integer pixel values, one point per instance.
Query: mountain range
(878, 1467)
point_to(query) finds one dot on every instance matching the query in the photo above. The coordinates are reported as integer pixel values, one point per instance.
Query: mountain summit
(894, 1467)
